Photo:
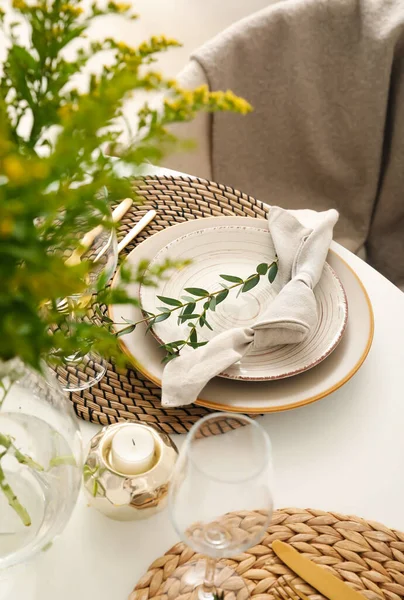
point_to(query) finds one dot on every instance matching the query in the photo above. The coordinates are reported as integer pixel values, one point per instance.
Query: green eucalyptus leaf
(162, 317)
(273, 270)
(193, 337)
(212, 304)
(197, 291)
(171, 345)
(170, 301)
(126, 330)
(262, 269)
(197, 344)
(222, 296)
(188, 298)
(232, 278)
(189, 309)
(250, 283)
(168, 358)
(150, 325)
(208, 325)
(187, 317)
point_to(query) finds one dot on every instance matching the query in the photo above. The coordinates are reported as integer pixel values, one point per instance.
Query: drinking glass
(101, 251)
(220, 499)
(40, 469)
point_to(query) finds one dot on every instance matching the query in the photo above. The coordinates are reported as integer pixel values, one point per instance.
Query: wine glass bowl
(220, 497)
(99, 248)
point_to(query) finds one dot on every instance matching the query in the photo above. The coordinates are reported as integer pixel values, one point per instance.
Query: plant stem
(13, 500)
(7, 442)
(197, 299)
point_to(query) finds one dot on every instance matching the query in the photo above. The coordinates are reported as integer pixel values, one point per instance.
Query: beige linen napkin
(301, 239)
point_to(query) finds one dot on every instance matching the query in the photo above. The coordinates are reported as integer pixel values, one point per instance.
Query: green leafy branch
(188, 308)
(7, 443)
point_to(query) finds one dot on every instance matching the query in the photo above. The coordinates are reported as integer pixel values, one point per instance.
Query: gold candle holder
(124, 496)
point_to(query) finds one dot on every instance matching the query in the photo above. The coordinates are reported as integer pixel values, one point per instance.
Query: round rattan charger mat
(366, 555)
(125, 394)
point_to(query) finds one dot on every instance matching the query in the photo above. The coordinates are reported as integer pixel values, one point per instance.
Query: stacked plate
(277, 379)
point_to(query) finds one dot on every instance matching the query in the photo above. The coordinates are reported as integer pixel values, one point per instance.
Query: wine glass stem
(207, 589)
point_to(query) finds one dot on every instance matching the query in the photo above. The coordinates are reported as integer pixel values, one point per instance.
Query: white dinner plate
(246, 396)
(237, 250)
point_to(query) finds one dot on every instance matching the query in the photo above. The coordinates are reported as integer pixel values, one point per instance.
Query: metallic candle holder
(122, 496)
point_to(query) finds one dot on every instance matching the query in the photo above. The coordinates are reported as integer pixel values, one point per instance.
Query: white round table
(344, 453)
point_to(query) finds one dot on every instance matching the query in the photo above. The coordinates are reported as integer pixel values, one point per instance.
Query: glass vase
(40, 462)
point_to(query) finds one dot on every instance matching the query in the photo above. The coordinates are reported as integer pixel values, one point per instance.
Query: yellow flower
(14, 169)
(65, 111)
(121, 7)
(122, 46)
(6, 227)
(72, 10)
(19, 4)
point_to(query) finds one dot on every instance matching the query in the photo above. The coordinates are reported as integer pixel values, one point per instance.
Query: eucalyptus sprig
(187, 306)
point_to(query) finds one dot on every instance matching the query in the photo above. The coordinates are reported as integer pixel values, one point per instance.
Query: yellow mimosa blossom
(19, 4)
(121, 7)
(14, 169)
(6, 227)
(72, 10)
(65, 111)
(163, 41)
(123, 47)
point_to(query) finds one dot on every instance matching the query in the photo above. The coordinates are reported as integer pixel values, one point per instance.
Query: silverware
(88, 239)
(316, 576)
(144, 221)
(90, 236)
(287, 590)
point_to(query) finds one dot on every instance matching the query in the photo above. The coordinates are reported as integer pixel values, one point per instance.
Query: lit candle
(132, 450)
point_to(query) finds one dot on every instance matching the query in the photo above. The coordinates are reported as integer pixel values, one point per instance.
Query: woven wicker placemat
(125, 393)
(366, 555)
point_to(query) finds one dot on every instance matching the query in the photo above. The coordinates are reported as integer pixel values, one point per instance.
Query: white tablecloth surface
(343, 453)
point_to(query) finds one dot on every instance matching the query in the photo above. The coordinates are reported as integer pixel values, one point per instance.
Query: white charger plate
(237, 250)
(254, 397)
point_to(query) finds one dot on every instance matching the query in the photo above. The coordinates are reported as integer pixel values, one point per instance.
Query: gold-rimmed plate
(244, 396)
(237, 250)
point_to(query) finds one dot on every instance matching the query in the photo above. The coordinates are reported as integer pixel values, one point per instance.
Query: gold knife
(316, 576)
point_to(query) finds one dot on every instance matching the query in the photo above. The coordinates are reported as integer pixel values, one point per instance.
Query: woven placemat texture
(125, 393)
(366, 555)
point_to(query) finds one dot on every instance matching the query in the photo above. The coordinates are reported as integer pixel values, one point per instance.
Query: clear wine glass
(99, 248)
(220, 500)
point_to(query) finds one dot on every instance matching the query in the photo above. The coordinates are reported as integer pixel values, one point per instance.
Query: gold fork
(284, 591)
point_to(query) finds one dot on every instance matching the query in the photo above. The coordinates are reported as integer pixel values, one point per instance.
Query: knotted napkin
(301, 239)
